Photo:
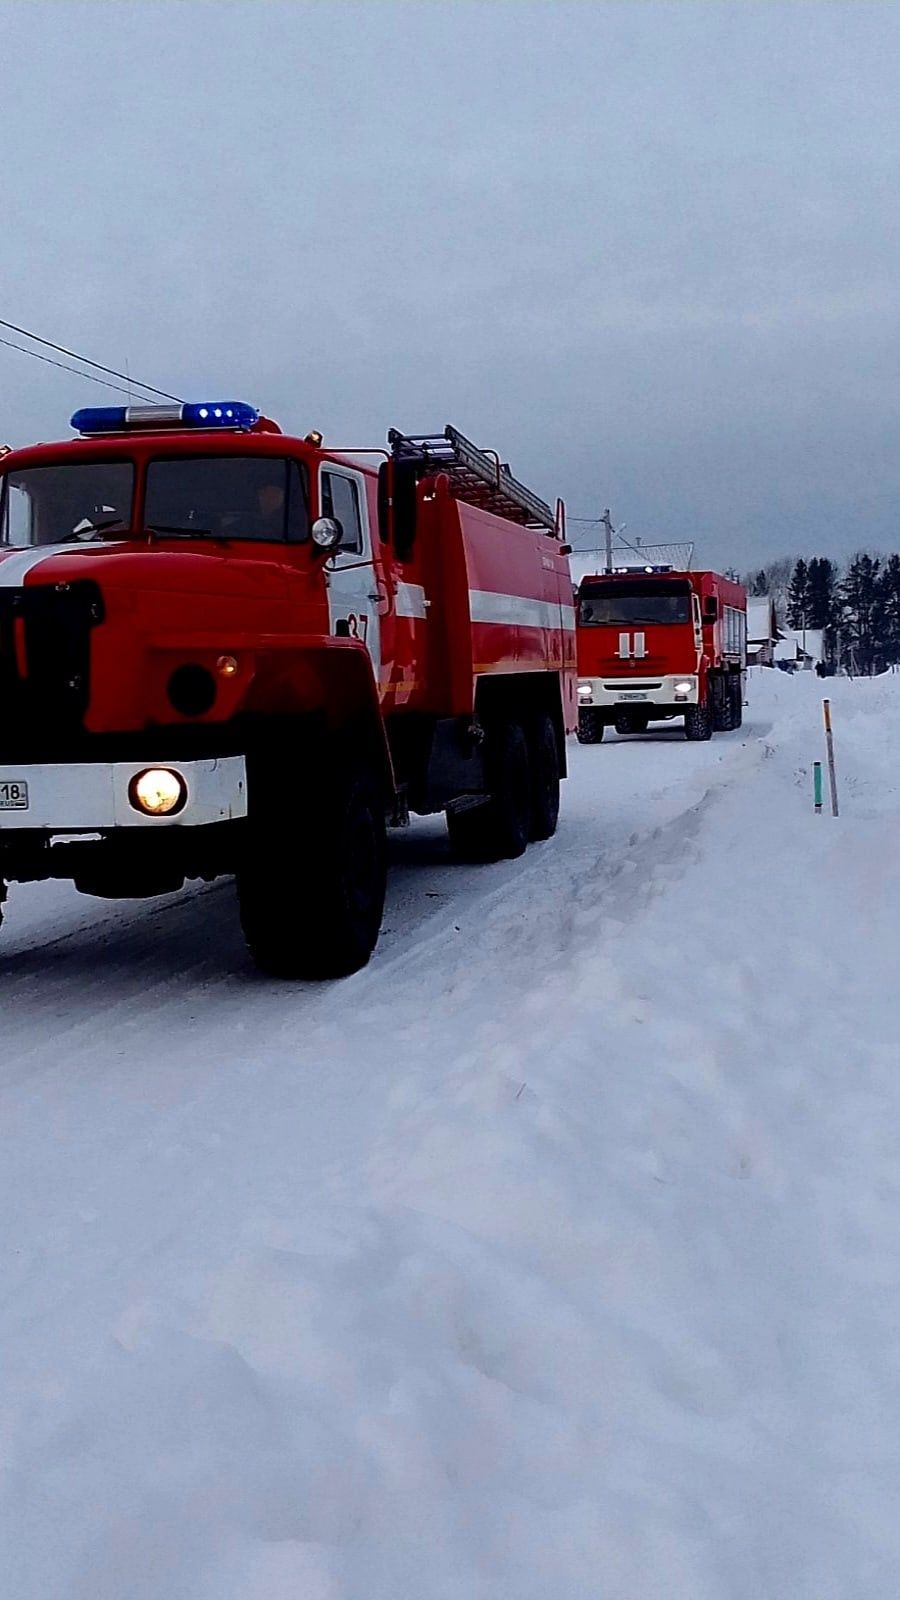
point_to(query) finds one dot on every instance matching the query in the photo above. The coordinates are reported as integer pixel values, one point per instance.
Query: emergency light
(201, 414)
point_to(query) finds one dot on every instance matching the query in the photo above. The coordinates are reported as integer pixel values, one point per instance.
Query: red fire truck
(658, 644)
(228, 651)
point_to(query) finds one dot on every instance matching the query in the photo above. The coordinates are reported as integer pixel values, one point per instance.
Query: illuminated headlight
(684, 687)
(158, 792)
(585, 692)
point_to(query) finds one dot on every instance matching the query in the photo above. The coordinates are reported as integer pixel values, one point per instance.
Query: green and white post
(817, 787)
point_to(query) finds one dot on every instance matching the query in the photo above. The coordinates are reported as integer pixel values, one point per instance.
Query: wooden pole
(829, 745)
(817, 787)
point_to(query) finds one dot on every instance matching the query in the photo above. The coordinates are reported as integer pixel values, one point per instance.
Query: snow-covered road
(553, 1257)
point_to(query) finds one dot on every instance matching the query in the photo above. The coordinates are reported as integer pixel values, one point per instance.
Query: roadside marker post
(829, 745)
(817, 787)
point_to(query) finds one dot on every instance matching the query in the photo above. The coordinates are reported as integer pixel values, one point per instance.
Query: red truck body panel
(478, 595)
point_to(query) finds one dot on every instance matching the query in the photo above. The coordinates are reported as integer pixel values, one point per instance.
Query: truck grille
(614, 686)
(45, 658)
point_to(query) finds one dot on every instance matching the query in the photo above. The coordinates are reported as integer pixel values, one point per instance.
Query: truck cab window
(633, 605)
(260, 498)
(71, 503)
(340, 499)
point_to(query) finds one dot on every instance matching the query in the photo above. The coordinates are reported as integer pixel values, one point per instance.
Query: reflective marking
(411, 601)
(15, 567)
(485, 605)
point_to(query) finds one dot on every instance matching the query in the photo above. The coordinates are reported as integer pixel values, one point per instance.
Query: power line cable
(62, 366)
(62, 350)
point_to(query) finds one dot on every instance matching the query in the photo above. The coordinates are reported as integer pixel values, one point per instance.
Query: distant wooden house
(762, 631)
(799, 649)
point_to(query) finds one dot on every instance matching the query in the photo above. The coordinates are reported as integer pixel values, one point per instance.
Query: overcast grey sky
(650, 250)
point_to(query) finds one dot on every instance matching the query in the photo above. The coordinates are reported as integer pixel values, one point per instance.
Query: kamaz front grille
(631, 683)
(45, 657)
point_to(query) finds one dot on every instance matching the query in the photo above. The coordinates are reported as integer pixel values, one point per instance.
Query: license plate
(632, 694)
(13, 794)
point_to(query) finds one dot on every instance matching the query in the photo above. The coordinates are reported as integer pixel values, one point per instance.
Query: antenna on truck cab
(478, 476)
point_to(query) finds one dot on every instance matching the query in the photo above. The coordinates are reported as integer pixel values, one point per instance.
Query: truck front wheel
(500, 827)
(698, 722)
(311, 890)
(590, 726)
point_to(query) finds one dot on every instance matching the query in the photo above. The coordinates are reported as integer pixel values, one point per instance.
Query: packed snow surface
(554, 1257)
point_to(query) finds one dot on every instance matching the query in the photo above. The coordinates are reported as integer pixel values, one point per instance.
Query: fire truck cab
(658, 644)
(228, 651)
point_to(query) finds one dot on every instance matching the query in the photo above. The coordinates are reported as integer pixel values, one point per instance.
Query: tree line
(856, 607)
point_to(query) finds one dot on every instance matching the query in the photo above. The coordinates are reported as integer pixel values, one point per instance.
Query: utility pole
(605, 522)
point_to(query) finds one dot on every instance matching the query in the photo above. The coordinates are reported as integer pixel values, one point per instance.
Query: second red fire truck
(658, 644)
(228, 651)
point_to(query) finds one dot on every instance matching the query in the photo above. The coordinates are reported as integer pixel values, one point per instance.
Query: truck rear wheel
(719, 702)
(500, 827)
(590, 726)
(737, 699)
(698, 722)
(543, 757)
(312, 899)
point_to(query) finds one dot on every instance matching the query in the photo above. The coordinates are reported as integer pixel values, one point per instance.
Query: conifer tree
(821, 593)
(860, 597)
(889, 612)
(798, 597)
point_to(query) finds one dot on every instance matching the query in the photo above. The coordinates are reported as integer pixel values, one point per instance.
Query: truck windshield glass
(633, 604)
(227, 497)
(74, 502)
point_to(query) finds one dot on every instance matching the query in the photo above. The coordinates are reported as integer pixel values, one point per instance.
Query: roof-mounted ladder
(478, 476)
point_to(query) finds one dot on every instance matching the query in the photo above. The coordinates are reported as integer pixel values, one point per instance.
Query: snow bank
(556, 1257)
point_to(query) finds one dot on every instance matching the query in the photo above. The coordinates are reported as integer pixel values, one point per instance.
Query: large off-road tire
(698, 722)
(590, 726)
(737, 699)
(500, 827)
(543, 761)
(719, 704)
(311, 887)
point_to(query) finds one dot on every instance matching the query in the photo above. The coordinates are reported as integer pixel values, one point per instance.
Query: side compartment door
(353, 594)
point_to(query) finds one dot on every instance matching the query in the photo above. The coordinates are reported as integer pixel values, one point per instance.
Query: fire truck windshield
(631, 605)
(228, 497)
(69, 503)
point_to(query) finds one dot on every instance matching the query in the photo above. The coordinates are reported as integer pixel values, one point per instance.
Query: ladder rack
(478, 476)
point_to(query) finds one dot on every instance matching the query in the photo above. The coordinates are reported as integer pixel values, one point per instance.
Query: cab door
(354, 601)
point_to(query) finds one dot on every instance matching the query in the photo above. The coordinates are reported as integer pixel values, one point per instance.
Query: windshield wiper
(92, 528)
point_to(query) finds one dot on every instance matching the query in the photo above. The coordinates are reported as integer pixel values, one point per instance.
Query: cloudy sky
(648, 250)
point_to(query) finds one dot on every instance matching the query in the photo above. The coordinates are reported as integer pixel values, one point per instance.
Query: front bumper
(639, 693)
(92, 796)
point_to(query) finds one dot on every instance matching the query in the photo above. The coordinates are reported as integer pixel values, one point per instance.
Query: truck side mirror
(710, 609)
(405, 507)
(327, 533)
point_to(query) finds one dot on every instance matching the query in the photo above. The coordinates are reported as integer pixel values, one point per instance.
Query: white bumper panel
(68, 797)
(637, 691)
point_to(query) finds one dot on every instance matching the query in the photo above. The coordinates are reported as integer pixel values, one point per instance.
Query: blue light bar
(203, 414)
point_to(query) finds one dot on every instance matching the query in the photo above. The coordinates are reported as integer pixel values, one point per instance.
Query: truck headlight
(158, 792)
(684, 687)
(585, 692)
